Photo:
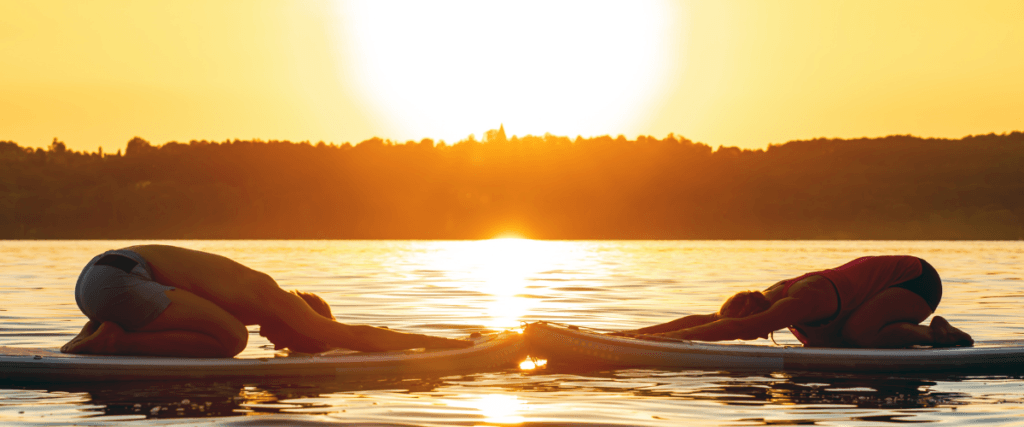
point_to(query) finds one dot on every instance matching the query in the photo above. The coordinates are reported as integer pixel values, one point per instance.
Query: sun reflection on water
(496, 408)
(502, 269)
(531, 364)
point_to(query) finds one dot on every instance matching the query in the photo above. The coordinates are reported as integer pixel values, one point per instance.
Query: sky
(734, 73)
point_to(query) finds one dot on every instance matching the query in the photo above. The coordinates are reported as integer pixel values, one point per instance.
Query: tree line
(546, 187)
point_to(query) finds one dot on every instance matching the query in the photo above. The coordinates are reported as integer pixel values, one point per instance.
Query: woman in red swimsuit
(870, 302)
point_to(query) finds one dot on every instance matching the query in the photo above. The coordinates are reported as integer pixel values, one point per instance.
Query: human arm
(811, 299)
(779, 315)
(301, 329)
(784, 312)
(354, 337)
(681, 323)
(369, 338)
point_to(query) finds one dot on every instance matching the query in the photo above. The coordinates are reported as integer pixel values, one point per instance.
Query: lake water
(455, 288)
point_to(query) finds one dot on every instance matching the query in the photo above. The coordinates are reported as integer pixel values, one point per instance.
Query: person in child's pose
(168, 301)
(870, 302)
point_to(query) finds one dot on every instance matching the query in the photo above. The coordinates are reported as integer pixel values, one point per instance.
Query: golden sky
(734, 73)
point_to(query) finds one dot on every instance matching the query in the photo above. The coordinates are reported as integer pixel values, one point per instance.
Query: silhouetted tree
(896, 187)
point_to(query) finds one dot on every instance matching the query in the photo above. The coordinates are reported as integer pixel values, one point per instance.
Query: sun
(445, 69)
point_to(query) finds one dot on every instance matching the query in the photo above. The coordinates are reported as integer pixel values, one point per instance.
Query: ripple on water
(452, 288)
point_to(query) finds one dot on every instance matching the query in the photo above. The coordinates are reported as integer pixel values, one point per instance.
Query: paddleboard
(492, 351)
(570, 345)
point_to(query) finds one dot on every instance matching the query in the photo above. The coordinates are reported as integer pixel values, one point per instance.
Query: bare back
(239, 290)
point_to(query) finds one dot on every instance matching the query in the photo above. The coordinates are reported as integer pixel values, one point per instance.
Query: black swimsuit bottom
(928, 285)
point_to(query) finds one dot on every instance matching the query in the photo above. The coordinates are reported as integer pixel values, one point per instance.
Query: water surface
(454, 288)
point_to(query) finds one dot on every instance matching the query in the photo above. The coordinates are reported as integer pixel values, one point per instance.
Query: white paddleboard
(493, 351)
(566, 344)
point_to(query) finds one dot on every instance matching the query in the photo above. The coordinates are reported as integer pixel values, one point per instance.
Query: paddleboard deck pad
(565, 344)
(492, 351)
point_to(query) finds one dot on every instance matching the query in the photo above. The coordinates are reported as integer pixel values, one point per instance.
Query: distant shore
(550, 187)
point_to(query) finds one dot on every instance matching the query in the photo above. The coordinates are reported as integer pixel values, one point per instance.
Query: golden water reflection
(503, 269)
(415, 285)
(532, 363)
(495, 408)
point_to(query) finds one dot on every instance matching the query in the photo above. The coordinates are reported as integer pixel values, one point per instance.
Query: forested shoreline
(549, 187)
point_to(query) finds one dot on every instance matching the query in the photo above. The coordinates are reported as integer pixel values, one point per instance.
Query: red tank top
(855, 282)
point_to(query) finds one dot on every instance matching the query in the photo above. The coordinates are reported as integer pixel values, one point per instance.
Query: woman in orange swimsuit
(870, 302)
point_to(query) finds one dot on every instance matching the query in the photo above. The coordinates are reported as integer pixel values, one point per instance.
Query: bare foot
(94, 339)
(946, 335)
(89, 329)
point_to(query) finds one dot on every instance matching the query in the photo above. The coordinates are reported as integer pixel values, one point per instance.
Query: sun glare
(502, 269)
(531, 364)
(446, 69)
(496, 408)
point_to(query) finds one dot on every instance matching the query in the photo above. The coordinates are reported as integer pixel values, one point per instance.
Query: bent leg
(190, 327)
(891, 320)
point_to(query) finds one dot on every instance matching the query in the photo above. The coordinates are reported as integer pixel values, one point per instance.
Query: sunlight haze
(95, 74)
(457, 67)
